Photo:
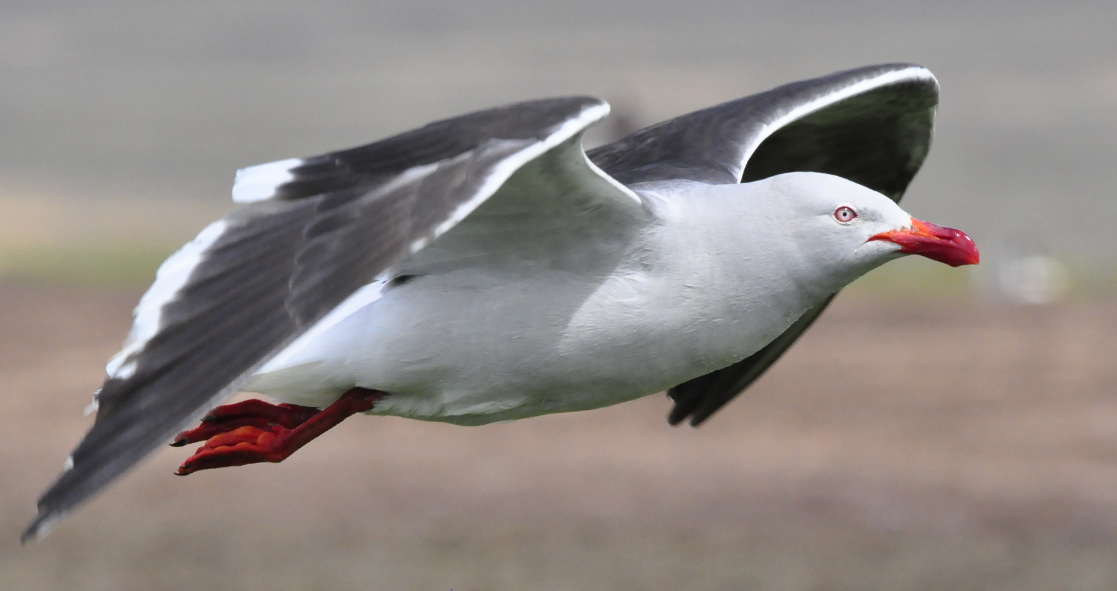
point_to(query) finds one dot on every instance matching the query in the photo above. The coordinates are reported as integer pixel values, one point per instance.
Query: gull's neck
(728, 267)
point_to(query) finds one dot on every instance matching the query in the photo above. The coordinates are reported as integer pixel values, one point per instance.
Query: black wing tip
(685, 407)
(680, 411)
(40, 526)
(680, 414)
(53, 505)
(701, 416)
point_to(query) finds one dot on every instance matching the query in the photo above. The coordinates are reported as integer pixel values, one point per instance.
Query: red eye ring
(845, 214)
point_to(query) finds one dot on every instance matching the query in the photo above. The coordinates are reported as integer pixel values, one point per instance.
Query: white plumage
(709, 274)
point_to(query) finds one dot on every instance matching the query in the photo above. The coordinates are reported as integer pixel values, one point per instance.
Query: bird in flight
(486, 268)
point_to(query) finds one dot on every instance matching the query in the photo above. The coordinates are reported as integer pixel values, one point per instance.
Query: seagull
(487, 268)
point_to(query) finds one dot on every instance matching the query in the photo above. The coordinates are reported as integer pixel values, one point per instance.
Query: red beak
(937, 243)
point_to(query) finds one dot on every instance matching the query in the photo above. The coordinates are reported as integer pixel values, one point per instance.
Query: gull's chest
(658, 329)
(557, 343)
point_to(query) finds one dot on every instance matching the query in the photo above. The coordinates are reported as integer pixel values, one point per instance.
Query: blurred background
(937, 429)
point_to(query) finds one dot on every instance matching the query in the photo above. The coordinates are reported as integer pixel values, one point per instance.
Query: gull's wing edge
(313, 232)
(871, 125)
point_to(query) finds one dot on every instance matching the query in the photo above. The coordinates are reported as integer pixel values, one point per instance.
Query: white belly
(474, 347)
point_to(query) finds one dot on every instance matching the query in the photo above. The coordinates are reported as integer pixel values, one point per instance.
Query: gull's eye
(845, 214)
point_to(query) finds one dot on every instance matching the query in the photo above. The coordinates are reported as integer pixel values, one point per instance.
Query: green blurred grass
(100, 265)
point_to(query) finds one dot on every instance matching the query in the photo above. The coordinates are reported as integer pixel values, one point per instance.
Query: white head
(840, 230)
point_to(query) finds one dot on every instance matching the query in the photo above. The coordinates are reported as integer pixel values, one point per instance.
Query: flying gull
(486, 268)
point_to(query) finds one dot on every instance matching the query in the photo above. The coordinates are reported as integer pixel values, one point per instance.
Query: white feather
(169, 280)
(93, 407)
(258, 183)
(510, 165)
(359, 299)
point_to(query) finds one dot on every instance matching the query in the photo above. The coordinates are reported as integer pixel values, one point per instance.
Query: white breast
(693, 294)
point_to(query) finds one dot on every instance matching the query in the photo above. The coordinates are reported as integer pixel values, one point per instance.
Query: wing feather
(313, 231)
(718, 145)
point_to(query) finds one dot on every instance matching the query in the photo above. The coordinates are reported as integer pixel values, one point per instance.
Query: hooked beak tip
(938, 243)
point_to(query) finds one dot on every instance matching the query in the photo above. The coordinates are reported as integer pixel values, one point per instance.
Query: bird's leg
(251, 443)
(250, 413)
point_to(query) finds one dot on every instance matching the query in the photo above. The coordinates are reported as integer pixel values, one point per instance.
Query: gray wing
(313, 232)
(871, 125)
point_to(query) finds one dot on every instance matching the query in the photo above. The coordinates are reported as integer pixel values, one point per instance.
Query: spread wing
(312, 233)
(870, 125)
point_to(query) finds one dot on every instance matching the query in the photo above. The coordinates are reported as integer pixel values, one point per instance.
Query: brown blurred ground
(900, 445)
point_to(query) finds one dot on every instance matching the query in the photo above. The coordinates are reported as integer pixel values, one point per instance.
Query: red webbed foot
(250, 413)
(254, 431)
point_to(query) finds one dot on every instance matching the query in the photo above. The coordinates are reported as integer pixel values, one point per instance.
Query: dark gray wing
(314, 231)
(871, 125)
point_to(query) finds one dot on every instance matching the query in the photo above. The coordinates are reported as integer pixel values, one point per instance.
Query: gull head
(844, 229)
